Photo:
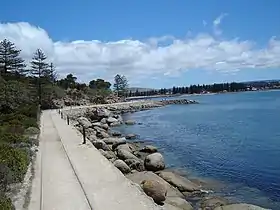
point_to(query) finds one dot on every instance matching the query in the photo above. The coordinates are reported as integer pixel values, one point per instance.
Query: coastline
(100, 132)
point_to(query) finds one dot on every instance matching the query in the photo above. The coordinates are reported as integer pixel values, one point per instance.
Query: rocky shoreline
(144, 164)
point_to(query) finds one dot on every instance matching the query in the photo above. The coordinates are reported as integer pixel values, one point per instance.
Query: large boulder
(84, 122)
(124, 154)
(116, 133)
(213, 202)
(155, 190)
(139, 177)
(134, 164)
(124, 146)
(101, 113)
(154, 162)
(99, 144)
(179, 202)
(181, 183)
(114, 124)
(129, 122)
(131, 136)
(104, 126)
(108, 154)
(112, 140)
(149, 149)
(102, 134)
(103, 120)
(122, 166)
(111, 120)
(240, 206)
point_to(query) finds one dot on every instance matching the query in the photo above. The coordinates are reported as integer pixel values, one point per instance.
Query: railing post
(67, 120)
(61, 115)
(84, 135)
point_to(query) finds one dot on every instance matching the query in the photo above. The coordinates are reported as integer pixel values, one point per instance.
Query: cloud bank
(156, 57)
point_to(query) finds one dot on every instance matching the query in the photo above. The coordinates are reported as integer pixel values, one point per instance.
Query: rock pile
(143, 165)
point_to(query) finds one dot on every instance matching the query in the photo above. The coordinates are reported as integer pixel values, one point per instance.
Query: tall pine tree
(10, 60)
(39, 69)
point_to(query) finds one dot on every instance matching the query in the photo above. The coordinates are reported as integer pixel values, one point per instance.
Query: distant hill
(133, 89)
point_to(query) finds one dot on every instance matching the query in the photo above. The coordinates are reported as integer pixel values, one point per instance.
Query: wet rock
(114, 124)
(99, 144)
(131, 136)
(209, 203)
(113, 140)
(240, 206)
(179, 202)
(116, 133)
(154, 162)
(181, 183)
(84, 122)
(149, 149)
(124, 154)
(111, 120)
(134, 164)
(155, 190)
(108, 154)
(130, 122)
(139, 177)
(99, 129)
(122, 166)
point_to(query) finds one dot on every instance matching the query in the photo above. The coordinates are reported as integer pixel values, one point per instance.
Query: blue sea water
(231, 139)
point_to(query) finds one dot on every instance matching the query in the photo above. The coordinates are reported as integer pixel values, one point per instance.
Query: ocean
(230, 141)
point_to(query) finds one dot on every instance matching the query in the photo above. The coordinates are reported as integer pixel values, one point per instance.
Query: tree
(51, 74)
(39, 69)
(10, 60)
(120, 85)
(99, 84)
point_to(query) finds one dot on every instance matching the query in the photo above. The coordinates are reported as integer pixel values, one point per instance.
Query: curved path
(70, 175)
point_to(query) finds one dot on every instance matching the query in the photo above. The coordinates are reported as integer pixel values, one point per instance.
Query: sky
(155, 44)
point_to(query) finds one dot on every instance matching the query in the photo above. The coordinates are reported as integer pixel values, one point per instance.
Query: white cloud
(216, 23)
(139, 60)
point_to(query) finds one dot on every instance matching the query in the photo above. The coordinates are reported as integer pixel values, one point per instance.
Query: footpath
(71, 175)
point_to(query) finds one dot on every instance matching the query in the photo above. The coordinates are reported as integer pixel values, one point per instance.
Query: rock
(32, 131)
(130, 122)
(96, 124)
(91, 131)
(116, 133)
(99, 129)
(118, 145)
(111, 120)
(149, 149)
(84, 122)
(134, 164)
(99, 144)
(154, 162)
(122, 166)
(102, 134)
(101, 113)
(101, 125)
(211, 203)
(112, 140)
(123, 146)
(108, 154)
(103, 121)
(131, 136)
(114, 124)
(181, 183)
(240, 206)
(124, 154)
(179, 202)
(194, 196)
(155, 190)
(139, 177)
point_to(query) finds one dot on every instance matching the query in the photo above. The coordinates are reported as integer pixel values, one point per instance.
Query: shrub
(16, 160)
(6, 203)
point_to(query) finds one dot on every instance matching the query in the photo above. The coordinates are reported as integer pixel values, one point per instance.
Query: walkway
(70, 175)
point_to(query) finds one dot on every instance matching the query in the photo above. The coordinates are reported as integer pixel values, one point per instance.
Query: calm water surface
(233, 138)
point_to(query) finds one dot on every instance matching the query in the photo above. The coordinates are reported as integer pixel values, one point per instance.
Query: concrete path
(70, 175)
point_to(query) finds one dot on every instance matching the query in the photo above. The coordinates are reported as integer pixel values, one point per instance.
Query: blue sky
(155, 43)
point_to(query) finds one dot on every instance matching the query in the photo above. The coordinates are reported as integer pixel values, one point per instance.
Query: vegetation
(121, 85)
